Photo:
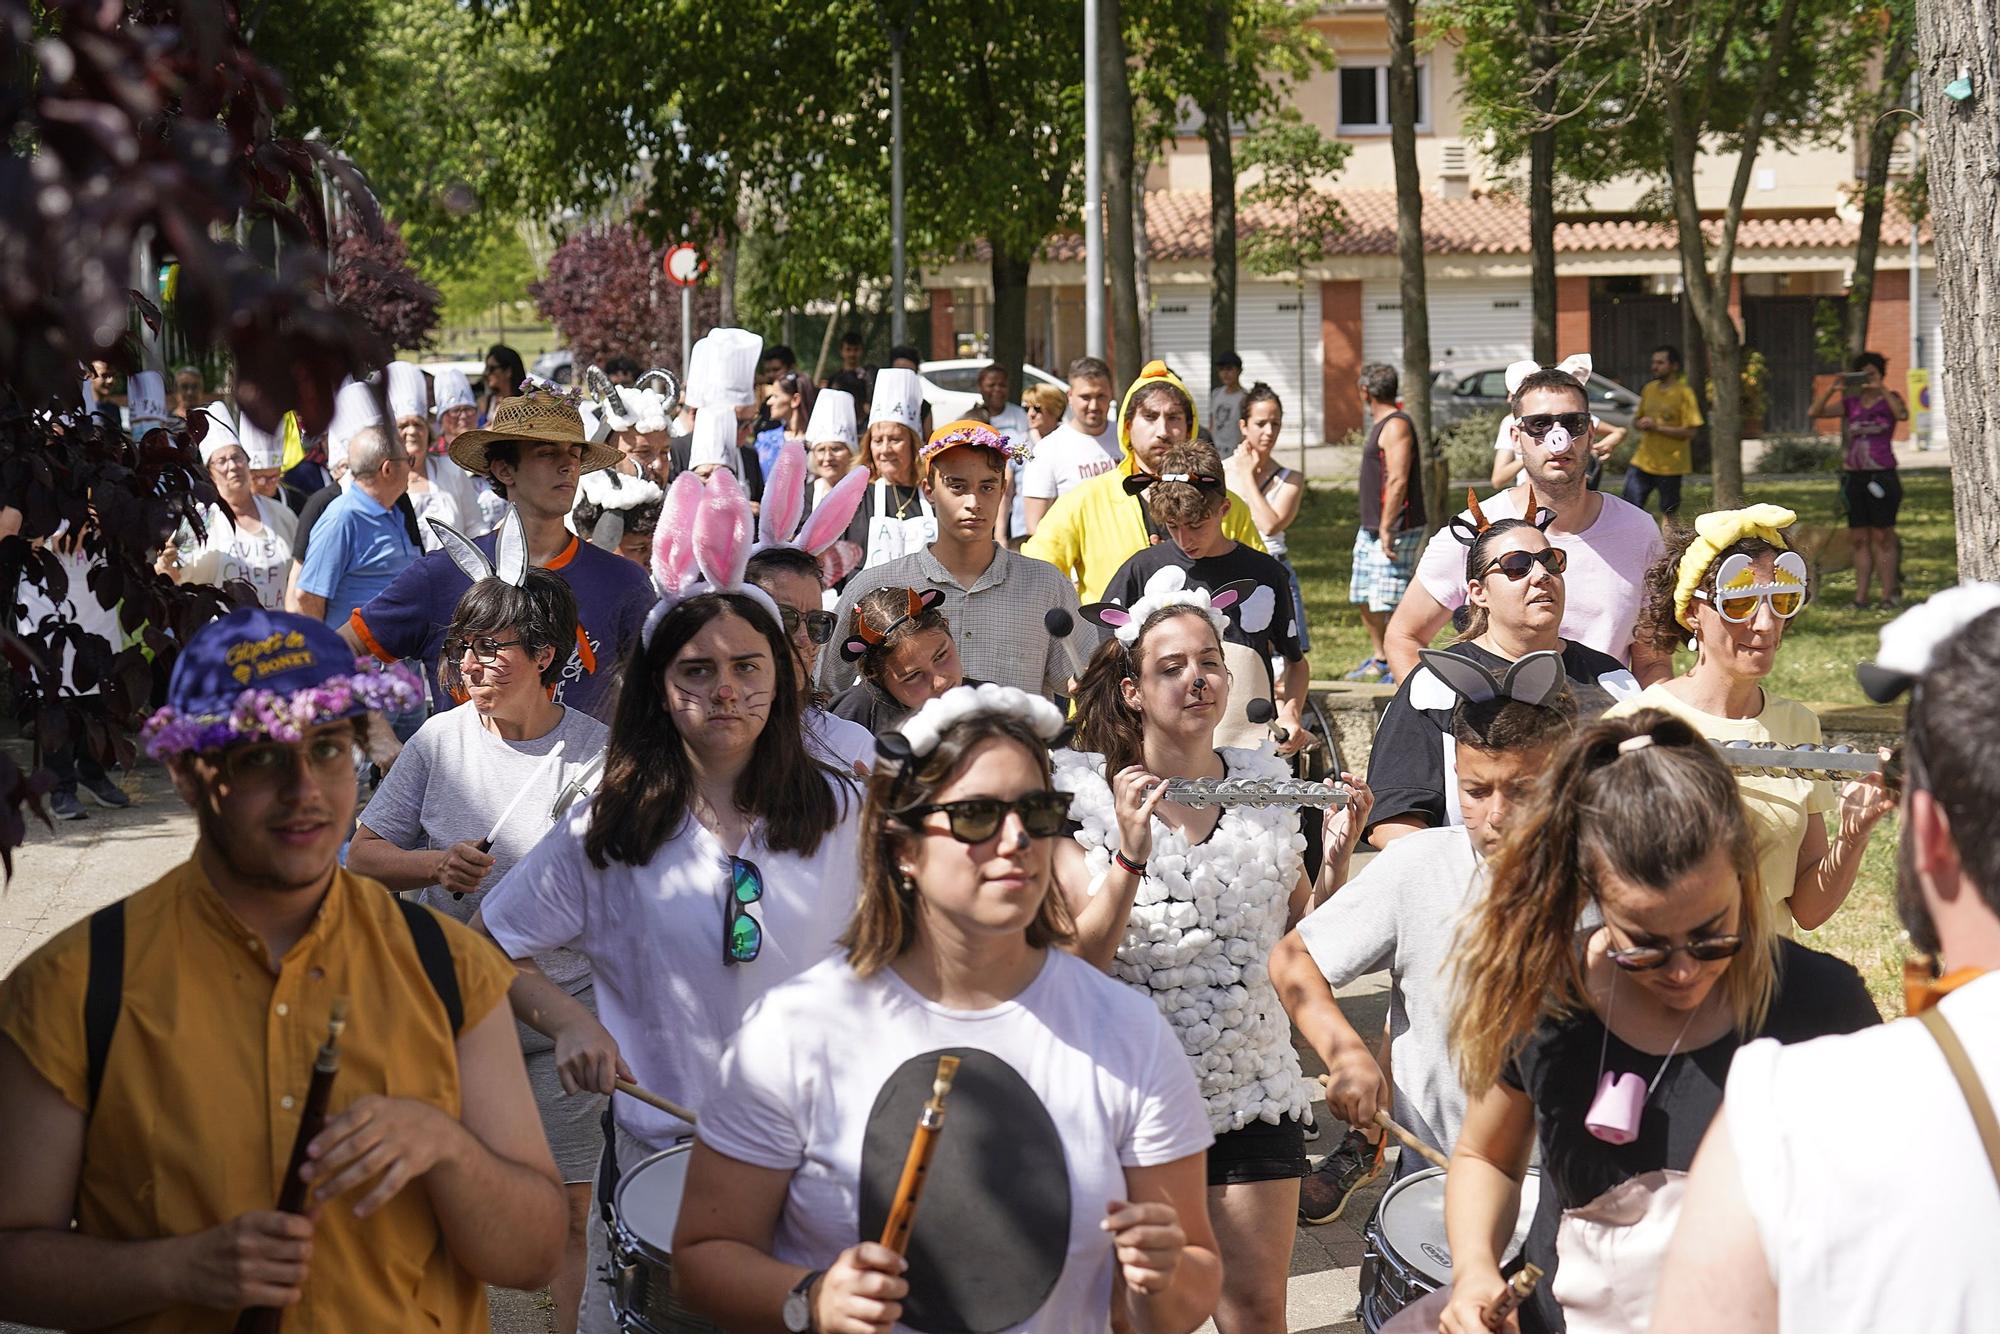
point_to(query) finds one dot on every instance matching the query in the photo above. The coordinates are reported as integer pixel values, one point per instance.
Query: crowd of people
(714, 782)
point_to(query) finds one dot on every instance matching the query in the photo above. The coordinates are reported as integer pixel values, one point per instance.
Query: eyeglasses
(329, 758)
(1518, 565)
(742, 934)
(1646, 958)
(1537, 424)
(1739, 607)
(485, 648)
(818, 624)
(1043, 815)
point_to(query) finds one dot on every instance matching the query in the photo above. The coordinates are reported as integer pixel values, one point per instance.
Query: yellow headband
(1720, 529)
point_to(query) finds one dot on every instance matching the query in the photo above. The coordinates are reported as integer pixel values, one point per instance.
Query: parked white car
(952, 387)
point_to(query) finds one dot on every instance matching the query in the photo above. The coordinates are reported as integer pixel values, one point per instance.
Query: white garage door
(1268, 339)
(1180, 335)
(1930, 316)
(1476, 323)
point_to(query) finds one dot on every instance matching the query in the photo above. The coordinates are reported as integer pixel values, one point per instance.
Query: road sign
(684, 265)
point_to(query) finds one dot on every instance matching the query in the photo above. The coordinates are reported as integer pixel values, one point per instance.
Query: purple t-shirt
(1871, 433)
(613, 595)
(1604, 587)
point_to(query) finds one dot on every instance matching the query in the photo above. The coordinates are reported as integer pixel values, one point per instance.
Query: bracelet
(1136, 868)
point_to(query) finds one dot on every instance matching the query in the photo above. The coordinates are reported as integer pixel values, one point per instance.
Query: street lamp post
(899, 320)
(1093, 192)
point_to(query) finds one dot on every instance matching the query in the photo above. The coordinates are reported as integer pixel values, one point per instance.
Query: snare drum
(644, 1209)
(1404, 1256)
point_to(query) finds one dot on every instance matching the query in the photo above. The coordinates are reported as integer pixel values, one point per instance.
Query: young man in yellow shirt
(1668, 418)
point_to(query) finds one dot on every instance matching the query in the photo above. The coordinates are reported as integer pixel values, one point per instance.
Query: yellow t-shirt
(1671, 403)
(1778, 808)
(206, 1081)
(1093, 529)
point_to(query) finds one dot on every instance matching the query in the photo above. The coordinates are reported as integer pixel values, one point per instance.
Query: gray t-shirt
(451, 783)
(1401, 913)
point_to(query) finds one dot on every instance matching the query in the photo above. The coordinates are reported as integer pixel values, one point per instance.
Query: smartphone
(1853, 379)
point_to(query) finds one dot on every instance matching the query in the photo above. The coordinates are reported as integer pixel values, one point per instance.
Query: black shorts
(1639, 484)
(1258, 1152)
(1865, 509)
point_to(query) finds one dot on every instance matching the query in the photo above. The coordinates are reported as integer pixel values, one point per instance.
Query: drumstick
(1519, 1289)
(549, 761)
(1430, 1155)
(652, 1099)
(903, 1213)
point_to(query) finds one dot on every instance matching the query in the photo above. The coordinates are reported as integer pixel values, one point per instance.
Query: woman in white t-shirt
(246, 537)
(1074, 1146)
(1185, 904)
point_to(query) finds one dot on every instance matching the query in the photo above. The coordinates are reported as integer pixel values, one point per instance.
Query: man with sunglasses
(791, 576)
(1609, 544)
(154, 1060)
(1789, 1222)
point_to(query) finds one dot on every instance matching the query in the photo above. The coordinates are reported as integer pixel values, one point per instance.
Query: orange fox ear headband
(866, 637)
(1470, 526)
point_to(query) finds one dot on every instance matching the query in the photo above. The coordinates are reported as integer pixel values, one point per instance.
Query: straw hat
(531, 418)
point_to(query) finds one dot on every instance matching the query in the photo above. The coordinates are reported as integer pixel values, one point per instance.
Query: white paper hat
(146, 397)
(89, 397)
(452, 390)
(354, 411)
(645, 410)
(722, 369)
(714, 438)
(265, 448)
(899, 398)
(409, 396)
(221, 433)
(832, 418)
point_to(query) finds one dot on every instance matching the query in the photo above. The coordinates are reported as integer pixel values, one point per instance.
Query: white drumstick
(549, 762)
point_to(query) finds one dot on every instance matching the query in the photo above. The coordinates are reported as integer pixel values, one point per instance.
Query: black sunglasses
(1537, 424)
(485, 648)
(1646, 958)
(742, 934)
(1519, 565)
(819, 624)
(1043, 815)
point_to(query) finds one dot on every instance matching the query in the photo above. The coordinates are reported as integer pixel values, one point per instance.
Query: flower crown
(977, 435)
(920, 733)
(1167, 588)
(268, 715)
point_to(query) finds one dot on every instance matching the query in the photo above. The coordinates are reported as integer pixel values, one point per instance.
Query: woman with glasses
(246, 536)
(1607, 1044)
(1514, 602)
(1728, 587)
(1184, 903)
(714, 861)
(903, 649)
(791, 575)
(1072, 1146)
(424, 829)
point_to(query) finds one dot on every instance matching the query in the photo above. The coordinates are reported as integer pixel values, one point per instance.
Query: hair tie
(1632, 745)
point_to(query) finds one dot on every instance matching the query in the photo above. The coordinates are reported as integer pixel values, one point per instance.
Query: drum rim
(1391, 1253)
(621, 1235)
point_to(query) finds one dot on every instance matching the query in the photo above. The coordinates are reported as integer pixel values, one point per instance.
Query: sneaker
(1371, 669)
(65, 806)
(105, 793)
(1327, 1188)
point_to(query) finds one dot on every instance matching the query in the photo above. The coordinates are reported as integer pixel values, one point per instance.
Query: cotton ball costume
(1203, 922)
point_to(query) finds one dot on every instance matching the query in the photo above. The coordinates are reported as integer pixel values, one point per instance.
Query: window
(1364, 98)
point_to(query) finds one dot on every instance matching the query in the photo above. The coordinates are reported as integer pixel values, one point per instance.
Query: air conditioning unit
(1454, 161)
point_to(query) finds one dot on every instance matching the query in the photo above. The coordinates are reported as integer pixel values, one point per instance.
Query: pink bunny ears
(783, 521)
(703, 545)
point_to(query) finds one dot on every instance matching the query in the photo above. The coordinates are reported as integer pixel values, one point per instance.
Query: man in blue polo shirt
(360, 544)
(531, 451)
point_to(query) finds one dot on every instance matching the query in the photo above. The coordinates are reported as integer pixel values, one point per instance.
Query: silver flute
(1254, 792)
(1768, 759)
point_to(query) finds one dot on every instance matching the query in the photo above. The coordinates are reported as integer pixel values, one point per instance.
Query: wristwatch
(798, 1312)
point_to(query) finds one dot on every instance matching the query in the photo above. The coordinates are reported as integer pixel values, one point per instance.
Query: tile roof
(1481, 224)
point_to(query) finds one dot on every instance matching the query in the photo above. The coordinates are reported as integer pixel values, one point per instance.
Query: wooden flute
(903, 1212)
(292, 1195)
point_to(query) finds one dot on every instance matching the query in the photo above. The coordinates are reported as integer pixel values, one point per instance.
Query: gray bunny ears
(1536, 678)
(510, 550)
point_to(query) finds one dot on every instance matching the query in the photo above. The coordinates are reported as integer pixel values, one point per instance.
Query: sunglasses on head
(1518, 565)
(976, 819)
(1646, 958)
(1537, 424)
(742, 934)
(818, 624)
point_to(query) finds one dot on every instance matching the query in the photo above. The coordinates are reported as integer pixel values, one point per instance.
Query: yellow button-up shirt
(1093, 529)
(206, 1081)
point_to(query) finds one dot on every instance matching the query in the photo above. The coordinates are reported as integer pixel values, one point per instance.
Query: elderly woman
(1729, 587)
(902, 646)
(830, 441)
(410, 405)
(1515, 594)
(896, 518)
(247, 536)
(425, 827)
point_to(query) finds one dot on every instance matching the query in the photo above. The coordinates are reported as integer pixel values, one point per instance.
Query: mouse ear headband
(1535, 678)
(1167, 588)
(866, 638)
(703, 546)
(1137, 483)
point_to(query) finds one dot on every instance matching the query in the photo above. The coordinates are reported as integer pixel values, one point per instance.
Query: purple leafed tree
(606, 295)
(374, 280)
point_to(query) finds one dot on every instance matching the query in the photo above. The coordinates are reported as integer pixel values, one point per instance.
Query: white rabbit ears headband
(783, 521)
(1911, 642)
(1167, 588)
(1536, 678)
(1576, 366)
(703, 546)
(920, 734)
(510, 550)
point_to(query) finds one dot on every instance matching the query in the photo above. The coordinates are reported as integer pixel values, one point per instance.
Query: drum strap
(607, 1166)
(1940, 1029)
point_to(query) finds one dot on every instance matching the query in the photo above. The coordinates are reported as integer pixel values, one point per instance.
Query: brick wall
(1340, 356)
(944, 329)
(1572, 315)
(1889, 334)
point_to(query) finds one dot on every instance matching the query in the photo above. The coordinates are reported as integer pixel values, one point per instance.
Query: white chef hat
(265, 448)
(146, 397)
(451, 390)
(354, 411)
(899, 398)
(409, 396)
(722, 369)
(645, 410)
(89, 397)
(832, 418)
(221, 433)
(714, 438)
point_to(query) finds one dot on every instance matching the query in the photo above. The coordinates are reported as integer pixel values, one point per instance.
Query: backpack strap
(435, 955)
(1968, 1084)
(104, 994)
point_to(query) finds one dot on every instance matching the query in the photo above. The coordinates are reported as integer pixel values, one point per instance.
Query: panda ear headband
(866, 638)
(1536, 678)
(1471, 525)
(1167, 588)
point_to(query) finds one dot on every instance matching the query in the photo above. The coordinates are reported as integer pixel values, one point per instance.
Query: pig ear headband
(866, 638)
(783, 522)
(703, 546)
(510, 565)
(1167, 588)
(1576, 366)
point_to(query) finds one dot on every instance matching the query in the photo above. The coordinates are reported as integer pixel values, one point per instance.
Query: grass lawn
(1816, 664)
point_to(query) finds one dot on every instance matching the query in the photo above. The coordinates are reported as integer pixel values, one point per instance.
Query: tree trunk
(1142, 268)
(1010, 311)
(1121, 258)
(1963, 161)
(1709, 302)
(1881, 134)
(1416, 378)
(1542, 183)
(1221, 188)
